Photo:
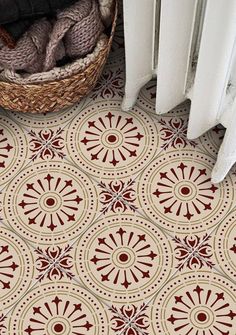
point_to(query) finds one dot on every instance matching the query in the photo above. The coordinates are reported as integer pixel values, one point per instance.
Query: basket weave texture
(54, 95)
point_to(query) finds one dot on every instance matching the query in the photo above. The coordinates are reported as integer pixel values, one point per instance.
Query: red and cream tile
(123, 258)
(110, 144)
(201, 302)
(109, 221)
(57, 307)
(50, 202)
(14, 149)
(223, 244)
(176, 191)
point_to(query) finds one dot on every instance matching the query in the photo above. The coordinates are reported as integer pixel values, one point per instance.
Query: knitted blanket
(24, 13)
(74, 33)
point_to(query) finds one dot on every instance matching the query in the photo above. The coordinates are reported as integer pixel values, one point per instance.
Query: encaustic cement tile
(222, 243)
(14, 149)
(110, 144)
(57, 307)
(123, 259)
(16, 264)
(176, 191)
(50, 202)
(110, 85)
(201, 302)
(21, 265)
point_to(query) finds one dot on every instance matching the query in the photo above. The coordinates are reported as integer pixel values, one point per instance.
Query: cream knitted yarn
(105, 7)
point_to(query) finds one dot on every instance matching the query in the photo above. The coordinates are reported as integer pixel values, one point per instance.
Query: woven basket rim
(36, 85)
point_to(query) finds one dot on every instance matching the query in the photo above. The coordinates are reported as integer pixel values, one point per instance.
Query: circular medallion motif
(107, 142)
(13, 149)
(50, 202)
(123, 258)
(176, 190)
(191, 304)
(58, 309)
(225, 245)
(16, 271)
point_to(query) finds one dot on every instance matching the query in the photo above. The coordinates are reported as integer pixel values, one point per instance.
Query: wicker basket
(52, 96)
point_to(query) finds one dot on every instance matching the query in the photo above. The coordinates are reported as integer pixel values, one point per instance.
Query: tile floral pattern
(109, 222)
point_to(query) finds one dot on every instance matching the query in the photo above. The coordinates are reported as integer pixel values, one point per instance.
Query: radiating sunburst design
(50, 202)
(58, 308)
(59, 316)
(124, 258)
(5, 149)
(185, 191)
(203, 312)
(112, 139)
(7, 267)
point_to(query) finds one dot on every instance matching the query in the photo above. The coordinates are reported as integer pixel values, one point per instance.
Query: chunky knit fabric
(57, 73)
(78, 27)
(30, 50)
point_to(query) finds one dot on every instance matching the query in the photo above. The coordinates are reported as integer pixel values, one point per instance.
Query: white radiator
(190, 46)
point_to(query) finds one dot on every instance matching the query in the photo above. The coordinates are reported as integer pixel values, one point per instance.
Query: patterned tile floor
(110, 223)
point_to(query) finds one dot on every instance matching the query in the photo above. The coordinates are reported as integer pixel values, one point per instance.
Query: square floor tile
(50, 202)
(56, 307)
(201, 302)
(109, 221)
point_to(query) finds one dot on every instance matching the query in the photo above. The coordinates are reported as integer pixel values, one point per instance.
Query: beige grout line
(116, 196)
(98, 298)
(218, 270)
